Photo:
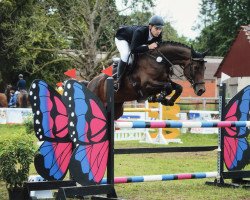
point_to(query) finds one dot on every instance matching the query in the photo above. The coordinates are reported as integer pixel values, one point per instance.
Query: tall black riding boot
(120, 71)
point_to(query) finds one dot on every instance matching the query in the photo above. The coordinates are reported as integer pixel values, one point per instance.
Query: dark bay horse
(152, 75)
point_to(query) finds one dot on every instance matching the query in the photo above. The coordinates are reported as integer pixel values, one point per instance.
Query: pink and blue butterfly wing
(51, 126)
(88, 130)
(236, 147)
(53, 159)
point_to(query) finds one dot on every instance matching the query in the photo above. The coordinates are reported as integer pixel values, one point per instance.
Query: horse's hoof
(167, 102)
(164, 102)
(170, 103)
(152, 99)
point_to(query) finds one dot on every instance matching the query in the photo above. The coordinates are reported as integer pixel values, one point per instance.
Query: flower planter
(17, 194)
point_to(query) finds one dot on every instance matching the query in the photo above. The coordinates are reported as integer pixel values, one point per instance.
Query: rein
(163, 59)
(160, 60)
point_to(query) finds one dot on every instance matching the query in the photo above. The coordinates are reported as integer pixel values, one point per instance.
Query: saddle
(131, 64)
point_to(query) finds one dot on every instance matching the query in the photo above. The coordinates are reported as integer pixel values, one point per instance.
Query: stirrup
(117, 86)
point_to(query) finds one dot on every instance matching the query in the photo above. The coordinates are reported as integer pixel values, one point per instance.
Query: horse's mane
(173, 43)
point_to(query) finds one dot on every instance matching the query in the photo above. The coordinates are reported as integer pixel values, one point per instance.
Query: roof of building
(236, 63)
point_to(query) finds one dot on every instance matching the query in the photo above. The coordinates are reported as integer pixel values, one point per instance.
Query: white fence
(14, 115)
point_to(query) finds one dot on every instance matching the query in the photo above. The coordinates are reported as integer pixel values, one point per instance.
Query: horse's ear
(192, 51)
(204, 53)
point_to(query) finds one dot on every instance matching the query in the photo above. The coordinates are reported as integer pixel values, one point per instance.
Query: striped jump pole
(164, 177)
(178, 124)
(145, 135)
(141, 109)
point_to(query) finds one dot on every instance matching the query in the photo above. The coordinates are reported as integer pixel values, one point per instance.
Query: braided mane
(173, 43)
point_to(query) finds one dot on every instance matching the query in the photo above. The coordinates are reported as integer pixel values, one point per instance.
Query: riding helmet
(20, 76)
(157, 21)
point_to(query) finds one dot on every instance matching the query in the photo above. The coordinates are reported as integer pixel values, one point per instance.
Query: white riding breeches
(124, 49)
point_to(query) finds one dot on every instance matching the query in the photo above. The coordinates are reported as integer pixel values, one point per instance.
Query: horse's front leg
(160, 91)
(178, 90)
(167, 90)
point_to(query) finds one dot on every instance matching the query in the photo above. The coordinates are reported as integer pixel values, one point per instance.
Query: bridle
(192, 71)
(163, 59)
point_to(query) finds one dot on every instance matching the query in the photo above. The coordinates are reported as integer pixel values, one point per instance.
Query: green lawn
(156, 164)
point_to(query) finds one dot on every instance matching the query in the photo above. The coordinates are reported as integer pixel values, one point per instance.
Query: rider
(137, 39)
(21, 84)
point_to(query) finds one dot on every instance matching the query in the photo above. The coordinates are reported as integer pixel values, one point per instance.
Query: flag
(108, 71)
(71, 73)
(59, 84)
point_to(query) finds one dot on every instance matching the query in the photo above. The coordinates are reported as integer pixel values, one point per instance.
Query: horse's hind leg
(118, 110)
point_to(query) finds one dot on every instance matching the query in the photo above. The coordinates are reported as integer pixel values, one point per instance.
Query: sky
(181, 13)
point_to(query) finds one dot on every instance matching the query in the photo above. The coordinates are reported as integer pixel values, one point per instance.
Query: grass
(155, 164)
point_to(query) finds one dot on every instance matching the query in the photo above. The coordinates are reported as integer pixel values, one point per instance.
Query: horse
(22, 98)
(5, 97)
(3, 101)
(152, 74)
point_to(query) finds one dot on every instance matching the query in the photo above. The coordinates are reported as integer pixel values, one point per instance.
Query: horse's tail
(24, 101)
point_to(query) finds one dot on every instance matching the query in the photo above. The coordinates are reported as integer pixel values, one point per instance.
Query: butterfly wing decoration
(236, 147)
(88, 131)
(51, 126)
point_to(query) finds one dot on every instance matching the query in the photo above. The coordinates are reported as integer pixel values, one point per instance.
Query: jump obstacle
(108, 189)
(220, 175)
(143, 134)
(164, 177)
(178, 124)
(153, 135)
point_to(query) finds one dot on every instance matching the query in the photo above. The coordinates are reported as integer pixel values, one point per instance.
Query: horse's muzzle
(200, 91)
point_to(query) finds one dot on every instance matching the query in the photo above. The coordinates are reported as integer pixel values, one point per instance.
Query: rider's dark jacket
(21, 84)
(137, 37)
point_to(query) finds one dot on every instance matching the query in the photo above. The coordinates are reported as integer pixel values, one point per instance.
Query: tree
(223, 19)
(54, 35)
(10, 11)
(91, 25)
(24, 34)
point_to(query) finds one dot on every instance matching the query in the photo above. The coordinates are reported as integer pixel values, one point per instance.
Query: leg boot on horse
(161, 97)
(177, 92)
(120, 71)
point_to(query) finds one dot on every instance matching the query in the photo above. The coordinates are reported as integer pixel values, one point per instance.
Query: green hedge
(16, 155)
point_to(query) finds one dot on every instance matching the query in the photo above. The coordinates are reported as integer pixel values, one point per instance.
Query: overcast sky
(181, 13)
